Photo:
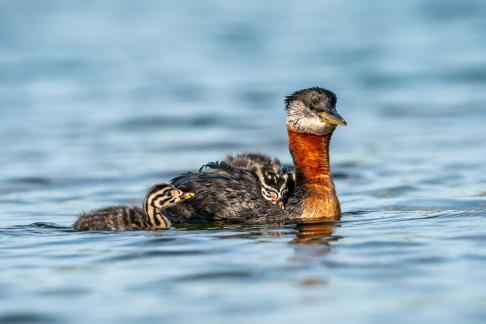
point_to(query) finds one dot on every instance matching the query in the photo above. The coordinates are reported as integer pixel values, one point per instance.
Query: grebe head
(313, 111)
(268, 171)
(274, 187)
(165, 195)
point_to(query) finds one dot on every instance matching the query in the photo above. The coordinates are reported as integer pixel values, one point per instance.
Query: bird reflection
(313, 240)
(316, 234)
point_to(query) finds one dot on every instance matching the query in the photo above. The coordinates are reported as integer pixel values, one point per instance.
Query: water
(99, 100)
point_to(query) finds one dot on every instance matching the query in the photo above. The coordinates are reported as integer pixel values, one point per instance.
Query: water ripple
(99, 100)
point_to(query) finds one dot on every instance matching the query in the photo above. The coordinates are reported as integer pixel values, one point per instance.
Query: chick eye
(170, 193)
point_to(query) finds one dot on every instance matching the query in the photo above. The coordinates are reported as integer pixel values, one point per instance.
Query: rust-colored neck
(315, 191)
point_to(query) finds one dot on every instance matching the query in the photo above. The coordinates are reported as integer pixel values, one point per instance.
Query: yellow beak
(332, 118)
(188, 195)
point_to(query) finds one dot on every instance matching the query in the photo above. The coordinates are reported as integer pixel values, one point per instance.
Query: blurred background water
(101, 99)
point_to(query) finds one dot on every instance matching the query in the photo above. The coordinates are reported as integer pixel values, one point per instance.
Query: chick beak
(281, 204)
(188, 195)
(332, 118)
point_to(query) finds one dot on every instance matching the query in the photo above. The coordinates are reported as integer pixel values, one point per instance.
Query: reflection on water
(99, 100)
(312, 242)
(316, 234)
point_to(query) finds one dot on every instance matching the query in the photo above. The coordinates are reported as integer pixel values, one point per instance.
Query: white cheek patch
(310, 125)
(313, 124)
(304, 120)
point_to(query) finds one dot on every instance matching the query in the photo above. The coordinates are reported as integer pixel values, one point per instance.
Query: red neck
(314, 186)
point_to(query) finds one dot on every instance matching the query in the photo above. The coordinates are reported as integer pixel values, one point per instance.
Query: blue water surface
(101, 99)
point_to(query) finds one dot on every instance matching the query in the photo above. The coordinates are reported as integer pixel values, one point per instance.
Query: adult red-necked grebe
(130, 218)
(225, 194)
(229, 195)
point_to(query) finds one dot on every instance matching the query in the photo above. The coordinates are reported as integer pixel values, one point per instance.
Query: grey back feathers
(223, 195)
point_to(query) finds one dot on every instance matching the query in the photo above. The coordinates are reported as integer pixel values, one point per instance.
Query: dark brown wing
(223, 195)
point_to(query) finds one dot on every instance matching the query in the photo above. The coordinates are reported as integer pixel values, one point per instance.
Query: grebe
(127, 218)
(268, 171)
(229, 195)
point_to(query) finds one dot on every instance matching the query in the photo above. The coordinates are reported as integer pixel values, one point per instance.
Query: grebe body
(131, 218)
